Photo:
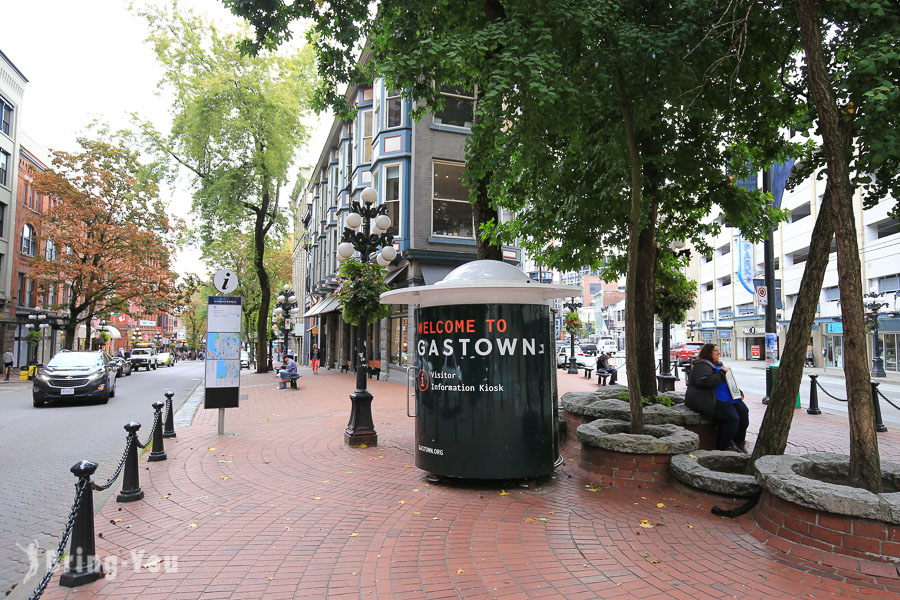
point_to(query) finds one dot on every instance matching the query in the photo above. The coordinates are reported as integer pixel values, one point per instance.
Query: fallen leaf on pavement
(211, 449)
(459, 571)
(317, 497)
(152, 563)
(167, 496)
(660, 505)
(114, 521)
(645, 524)
(270, 578)
(363, 446)
(596, 488)
(354, 534)
(690, 526)
(402, 502)
(529, 520)
(504, 493)
(192, 525)
(225, 477)
(692, 456)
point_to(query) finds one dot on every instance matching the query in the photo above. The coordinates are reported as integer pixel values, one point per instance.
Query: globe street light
(367, 230)
(573, 305)
(874, 305)
(286, 306)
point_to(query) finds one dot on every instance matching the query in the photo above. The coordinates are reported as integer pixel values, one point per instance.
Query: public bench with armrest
(602, 376)
(290, 377)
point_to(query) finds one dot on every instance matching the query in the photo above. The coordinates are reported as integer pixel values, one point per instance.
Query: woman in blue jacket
(707, 393)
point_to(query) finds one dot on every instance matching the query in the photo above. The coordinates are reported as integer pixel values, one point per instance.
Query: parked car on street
(589, 349)
(75, 376)
(165, 359)
(607, 344)
(145, 357)
(683, 352)
(123, 366)
(245, 359)
(562, 356)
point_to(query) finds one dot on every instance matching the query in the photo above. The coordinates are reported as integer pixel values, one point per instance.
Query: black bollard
(169, 429)
(159, 452)
(83, 566)
(131, 480)
(879, 424)
(813, 395)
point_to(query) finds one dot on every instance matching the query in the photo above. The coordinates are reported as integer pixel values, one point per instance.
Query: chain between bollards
(169, 429)
(813, 395)
(879, 423)
(158, 452)
(79, 493)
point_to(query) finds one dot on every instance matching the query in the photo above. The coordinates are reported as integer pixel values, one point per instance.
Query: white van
(607, 344)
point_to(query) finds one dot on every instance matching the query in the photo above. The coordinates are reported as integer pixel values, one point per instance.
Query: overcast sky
(88, 60)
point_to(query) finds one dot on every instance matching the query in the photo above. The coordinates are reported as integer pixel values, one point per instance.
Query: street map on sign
(223, 346)
(223, 373)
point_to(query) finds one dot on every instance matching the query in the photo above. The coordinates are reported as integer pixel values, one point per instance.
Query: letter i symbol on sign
(225, 282)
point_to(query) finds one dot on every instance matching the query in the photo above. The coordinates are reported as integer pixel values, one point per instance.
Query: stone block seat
(809, 512)
(584, 407)
(628, 460)
(289, 378)
(713, 476)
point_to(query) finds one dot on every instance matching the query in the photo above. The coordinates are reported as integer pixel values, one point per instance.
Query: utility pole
(772, 298)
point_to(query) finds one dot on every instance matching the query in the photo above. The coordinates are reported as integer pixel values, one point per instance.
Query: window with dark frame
(6, 111)
(452, 214)
(4, 166)
(459, 107)
(29, 240)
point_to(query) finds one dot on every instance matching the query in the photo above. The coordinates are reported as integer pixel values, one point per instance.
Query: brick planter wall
(852, 548)
(625, 469)
(702, 499)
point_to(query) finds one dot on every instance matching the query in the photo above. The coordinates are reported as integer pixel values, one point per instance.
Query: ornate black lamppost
(873, 306)
(690, 325)
(573, 305)
(158, 340)
(367, 230)
(286, 306)
(37, 321)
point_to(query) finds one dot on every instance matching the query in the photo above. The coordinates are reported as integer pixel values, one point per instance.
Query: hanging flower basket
(360, 292)
(573, 323)
(33, 337)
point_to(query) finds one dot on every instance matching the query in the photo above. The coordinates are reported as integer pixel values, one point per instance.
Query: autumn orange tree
(109, 232)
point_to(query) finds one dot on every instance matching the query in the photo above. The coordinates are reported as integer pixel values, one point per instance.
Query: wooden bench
(292, 377)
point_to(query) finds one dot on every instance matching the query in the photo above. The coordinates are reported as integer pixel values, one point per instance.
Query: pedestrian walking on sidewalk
(7, 363)
(314, 359)
(809, 357)
(709, 394)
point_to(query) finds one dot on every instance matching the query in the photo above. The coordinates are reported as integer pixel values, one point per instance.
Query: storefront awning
(328, 304)
(394, 275)
(434, 273)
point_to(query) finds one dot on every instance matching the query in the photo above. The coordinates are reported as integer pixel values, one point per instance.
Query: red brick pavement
(280, 508)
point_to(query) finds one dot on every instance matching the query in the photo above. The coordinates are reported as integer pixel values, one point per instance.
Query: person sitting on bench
(290, 368)
(603, 365)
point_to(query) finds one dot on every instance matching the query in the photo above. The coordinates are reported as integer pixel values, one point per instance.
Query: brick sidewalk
(280, 508)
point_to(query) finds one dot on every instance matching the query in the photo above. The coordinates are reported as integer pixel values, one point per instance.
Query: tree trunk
(865, 465)
(776, 423)
(262, 323)
(632, 277)
(645, 301)
(485, 213)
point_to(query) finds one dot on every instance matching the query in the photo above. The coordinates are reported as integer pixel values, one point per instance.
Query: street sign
(762, 294)
(223, 356)
(225, 281)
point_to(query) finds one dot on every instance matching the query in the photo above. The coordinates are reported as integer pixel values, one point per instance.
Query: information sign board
(223, 352)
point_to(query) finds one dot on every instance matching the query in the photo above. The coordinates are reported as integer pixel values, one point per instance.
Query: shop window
(451, 211)
(459, 107)
(399, 340)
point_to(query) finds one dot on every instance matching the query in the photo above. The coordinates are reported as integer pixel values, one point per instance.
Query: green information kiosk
(485, 354)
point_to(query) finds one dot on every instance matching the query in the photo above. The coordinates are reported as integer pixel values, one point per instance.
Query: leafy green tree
(236, 127)
(608, 127)
(849, 72)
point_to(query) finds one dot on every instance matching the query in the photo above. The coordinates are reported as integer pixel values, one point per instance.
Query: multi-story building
(416, 167)
(12, 90)
(728, 309)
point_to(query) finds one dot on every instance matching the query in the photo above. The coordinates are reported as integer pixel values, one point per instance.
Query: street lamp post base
(361, 429)
(878, 367)
(573, 367)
